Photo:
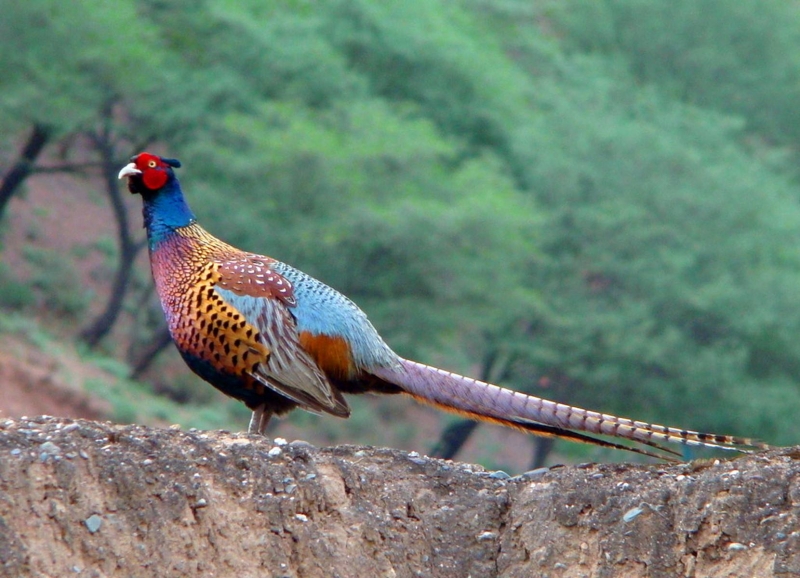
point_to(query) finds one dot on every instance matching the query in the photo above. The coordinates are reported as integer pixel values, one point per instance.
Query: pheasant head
(165, 209)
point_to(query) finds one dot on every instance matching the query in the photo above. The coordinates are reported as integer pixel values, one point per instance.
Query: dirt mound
(90, 499)
(30, 385)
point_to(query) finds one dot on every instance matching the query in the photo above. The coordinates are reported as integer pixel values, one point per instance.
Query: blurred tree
(23, 165)
(739, 58)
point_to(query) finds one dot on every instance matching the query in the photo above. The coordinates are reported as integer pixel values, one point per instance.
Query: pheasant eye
(152, 164)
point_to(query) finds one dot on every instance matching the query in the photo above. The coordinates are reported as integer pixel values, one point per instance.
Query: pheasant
(275, 338)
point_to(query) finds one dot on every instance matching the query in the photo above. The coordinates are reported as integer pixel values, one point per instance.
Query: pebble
(93, 523)
(300, 444)
(631, 514)
(530, 474)
(280, 442)
(275, 452)
(49, 449)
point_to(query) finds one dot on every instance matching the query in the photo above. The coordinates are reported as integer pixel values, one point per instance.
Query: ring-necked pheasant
(275, 338)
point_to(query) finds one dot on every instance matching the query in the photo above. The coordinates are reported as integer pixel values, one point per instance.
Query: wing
(244, 314)
(331, 325)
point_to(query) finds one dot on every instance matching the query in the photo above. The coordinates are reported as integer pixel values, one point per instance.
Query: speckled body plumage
(275, 338)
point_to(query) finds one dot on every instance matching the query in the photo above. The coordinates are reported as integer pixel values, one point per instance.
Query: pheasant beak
(129, 170)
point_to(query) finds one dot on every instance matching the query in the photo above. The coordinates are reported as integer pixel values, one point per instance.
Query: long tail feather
(557, 432)
(484, 401)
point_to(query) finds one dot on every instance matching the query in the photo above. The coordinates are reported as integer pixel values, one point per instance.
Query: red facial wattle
(154, 179)
(154, 171)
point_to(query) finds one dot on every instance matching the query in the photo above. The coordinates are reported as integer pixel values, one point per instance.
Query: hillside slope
(91, 499)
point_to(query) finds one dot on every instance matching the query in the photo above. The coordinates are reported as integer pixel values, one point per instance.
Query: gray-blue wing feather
(322, 310)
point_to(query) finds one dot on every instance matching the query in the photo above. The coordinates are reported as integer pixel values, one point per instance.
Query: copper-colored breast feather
(211, 329)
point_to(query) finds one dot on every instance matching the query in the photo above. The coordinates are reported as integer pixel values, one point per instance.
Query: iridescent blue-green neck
(164, 211)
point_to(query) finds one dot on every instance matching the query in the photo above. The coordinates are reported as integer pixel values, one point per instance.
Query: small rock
(301, 517)
(484, 536)
(531, 474)
(736, 547)
(300, 444)
(631, 514)
(201, 503)
(16, 452)
(280, 442)
(275, 452)
(93, 523)
(499, 475)
(50, 449)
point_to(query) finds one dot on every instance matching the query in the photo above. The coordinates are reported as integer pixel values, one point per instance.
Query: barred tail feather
(487, 402)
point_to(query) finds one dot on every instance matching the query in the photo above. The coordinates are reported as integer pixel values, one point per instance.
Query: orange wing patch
(331, 353)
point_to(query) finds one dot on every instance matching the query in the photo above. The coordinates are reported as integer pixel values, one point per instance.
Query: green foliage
(14, 294)
(61, 62)
(671, 251)
(736, 57)
(56, 283)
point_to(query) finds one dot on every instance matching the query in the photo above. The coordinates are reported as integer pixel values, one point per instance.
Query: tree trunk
(158, 343)
(128, 248)
(19, 171)
(541, 449)
(453, 438)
